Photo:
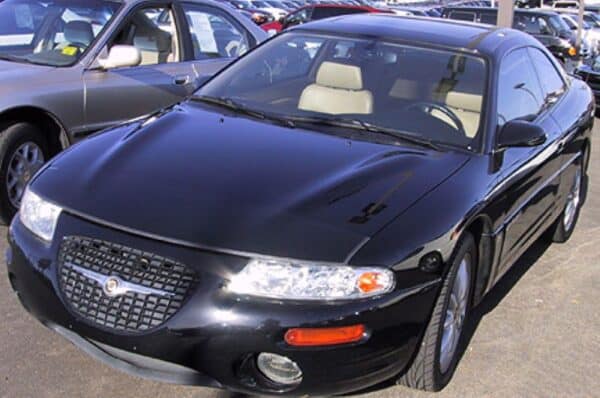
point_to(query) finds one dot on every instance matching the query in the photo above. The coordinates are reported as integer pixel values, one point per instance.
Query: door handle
(181, 80)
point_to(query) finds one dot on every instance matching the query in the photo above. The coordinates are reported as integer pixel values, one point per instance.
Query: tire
(426, 372)
(563, 228)
(13, 141)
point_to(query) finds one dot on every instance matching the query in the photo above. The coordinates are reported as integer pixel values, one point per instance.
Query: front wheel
(437, 357)
(23, 151)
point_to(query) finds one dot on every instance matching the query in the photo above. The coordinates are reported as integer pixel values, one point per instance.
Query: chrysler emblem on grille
(113, 286)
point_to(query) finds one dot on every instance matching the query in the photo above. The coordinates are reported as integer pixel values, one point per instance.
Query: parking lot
(536, 334)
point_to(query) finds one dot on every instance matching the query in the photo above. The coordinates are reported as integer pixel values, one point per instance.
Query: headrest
(466, 101)
(334, 75)
(79, 32)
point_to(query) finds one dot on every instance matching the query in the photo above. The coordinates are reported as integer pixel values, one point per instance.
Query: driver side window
(153, 32)
(519, 92)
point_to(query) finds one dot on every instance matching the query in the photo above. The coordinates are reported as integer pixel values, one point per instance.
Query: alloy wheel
(24, 163)
(455, 315)
(573, 201)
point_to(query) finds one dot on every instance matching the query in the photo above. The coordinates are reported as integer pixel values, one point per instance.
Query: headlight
(38, 215)
(305, 281)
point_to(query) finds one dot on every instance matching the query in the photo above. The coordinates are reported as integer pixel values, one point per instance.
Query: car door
(216, 38)
(529, 173)
(160, 80)
(573, 120)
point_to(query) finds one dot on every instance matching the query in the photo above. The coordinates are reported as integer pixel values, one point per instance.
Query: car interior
(437, 94)
(156, 45)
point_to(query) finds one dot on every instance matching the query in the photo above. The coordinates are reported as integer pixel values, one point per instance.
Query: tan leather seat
(467, 108)
(338, 89)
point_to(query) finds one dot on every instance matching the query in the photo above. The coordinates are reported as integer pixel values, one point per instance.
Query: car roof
(485, 39)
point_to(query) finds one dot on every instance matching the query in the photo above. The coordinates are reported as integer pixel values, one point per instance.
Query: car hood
(15, 70)
(198, 176)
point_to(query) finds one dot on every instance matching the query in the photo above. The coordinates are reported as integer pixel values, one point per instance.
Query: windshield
(51, 32)
(429, 94)
(558, 24)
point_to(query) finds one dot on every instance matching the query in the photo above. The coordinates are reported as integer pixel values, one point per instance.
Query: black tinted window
(328, 12)
(519, 92)
(489, 19)
(462, 16)
(550, 78)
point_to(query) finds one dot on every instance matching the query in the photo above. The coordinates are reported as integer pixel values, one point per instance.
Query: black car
(591, 75)
(319, 218)
(544, 25)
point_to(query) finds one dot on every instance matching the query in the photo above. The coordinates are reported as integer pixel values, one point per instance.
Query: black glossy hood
(227, 182)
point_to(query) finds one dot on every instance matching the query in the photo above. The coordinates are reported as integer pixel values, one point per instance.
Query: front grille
(160, 285)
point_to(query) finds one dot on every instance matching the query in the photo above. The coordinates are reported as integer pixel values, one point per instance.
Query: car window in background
(429, 94)
(532, 24)
(298, 17)
(519, 92)
(328, 12)
(152, 31)
(558, 24)
(53, 32)
(463, 16)
(489, 18)
(550, 79)
(214, 34)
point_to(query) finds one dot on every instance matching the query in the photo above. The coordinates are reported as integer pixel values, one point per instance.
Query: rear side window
(214, 34)
(519, 92)
(550, 79)
(462, 16)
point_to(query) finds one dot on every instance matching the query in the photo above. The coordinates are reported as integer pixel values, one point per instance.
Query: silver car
(69, 68)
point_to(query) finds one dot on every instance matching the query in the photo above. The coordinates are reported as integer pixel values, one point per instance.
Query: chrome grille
(163, 284)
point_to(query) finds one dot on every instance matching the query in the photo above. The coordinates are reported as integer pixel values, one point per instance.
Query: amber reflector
(324, 336)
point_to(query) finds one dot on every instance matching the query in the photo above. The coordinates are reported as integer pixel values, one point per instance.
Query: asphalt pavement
(536, 335)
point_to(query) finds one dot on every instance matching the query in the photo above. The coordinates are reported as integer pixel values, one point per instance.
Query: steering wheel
(428, 107)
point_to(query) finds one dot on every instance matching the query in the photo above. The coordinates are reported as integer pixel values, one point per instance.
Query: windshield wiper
(240, 108)
(371, 128)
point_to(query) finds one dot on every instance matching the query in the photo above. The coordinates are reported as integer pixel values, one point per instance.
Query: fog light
(279, 369)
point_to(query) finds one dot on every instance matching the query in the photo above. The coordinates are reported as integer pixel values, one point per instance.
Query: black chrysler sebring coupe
(319, 218)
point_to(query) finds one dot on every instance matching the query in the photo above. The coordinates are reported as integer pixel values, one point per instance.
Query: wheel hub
(455, 315)
(573, 201)
(24, 163)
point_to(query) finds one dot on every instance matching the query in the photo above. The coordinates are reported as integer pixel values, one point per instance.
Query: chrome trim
(113, 286)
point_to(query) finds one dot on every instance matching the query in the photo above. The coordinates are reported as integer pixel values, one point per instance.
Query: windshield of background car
(51, 32)
(431, 94)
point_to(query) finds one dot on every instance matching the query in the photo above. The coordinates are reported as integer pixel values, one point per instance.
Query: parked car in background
(546, 26)
(316, 12)
(69, 68)
(319, 218)
(591, 75)
(589, 39)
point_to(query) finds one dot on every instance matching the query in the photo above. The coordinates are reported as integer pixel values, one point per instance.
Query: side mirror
(121, 56)
(520, 133)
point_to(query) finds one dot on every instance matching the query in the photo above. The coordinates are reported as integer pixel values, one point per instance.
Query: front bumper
(214, 338)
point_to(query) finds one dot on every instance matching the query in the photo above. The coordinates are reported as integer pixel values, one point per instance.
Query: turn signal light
(572, 51)
(324, 336)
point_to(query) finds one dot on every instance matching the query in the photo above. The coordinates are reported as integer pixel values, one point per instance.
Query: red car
(318, 11)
